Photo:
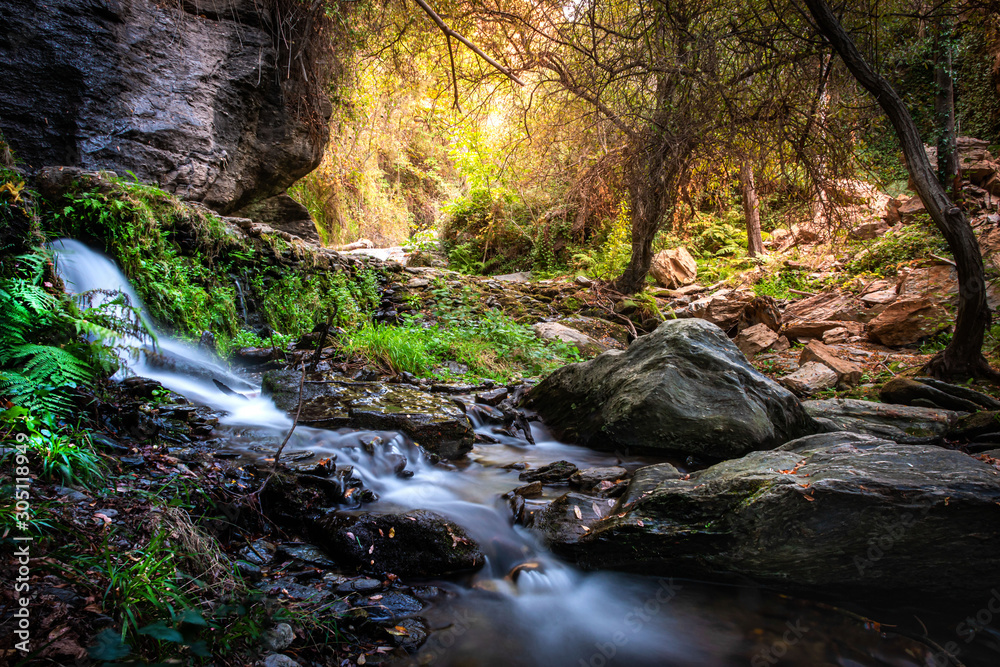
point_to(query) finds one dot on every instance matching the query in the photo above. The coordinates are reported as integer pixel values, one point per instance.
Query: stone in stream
(418, 543)
(835, 512)
(589, 478)
(432, 421)
(553, 473)
(685, 387)
(895, 422)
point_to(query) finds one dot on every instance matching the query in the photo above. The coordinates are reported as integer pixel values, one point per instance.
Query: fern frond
(52, 365)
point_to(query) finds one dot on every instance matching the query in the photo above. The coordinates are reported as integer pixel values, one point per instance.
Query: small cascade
(525, 607)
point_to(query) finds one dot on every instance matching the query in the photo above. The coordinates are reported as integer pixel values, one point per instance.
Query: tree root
(943, 368)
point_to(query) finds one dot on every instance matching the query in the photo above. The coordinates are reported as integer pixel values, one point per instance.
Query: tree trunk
(751, 210)
(647, 211)
(963, 357)
(944, 110)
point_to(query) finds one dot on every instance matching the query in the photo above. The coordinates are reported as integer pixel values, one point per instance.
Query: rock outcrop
(834, 512)
(201, 97)
(685, 387)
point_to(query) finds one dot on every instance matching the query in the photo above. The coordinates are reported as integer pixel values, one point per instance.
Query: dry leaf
(392, 533)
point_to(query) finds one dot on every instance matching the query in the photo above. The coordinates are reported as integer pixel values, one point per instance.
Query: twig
(295, 422)
(322, 340)
(801, 293)
(943, 259)
(475, 49)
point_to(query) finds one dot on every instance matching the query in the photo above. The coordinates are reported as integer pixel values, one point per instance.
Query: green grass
(491, 344)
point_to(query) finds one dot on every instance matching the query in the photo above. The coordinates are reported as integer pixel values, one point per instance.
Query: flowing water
(547, 613)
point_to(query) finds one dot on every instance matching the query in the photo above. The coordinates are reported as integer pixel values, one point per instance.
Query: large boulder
(685, 387)
(195, 96)
(433, 421)
(835, 512)
(674, 268)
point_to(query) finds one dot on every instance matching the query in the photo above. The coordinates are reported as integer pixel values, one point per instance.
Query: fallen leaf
(399, 631)
(577, 512)
(371, 549)
(392, 533)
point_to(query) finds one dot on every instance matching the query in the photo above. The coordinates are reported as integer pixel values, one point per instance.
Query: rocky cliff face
(216, 100)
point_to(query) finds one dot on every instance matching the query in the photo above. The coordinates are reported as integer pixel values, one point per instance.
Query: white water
(552, 615)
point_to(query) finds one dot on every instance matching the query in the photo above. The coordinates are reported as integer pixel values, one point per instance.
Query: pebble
(279, 660)
(279, 637)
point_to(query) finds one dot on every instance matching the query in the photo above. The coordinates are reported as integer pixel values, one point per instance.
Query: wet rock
(416, 543)
(532, 490)
(569, 517)
(410, 634)
(568, 335)
(259, 552)
(359, 586)
(492, 398)
(432, 421)
(833, 512)
(895, 422)
(754, 340)
(848, 372)
(589, 478)
(553, 473)
(253, 356)
(278, 638)
(684, 387)
(810, 378)
(291, 588)
(390, 606)
(907, 321)
(306, 553)
(674, 268)
(249, 571)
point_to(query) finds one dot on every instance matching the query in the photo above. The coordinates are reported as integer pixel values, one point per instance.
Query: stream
(525, 607)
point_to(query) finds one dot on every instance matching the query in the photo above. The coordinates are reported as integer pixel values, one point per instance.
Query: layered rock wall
(204, 97)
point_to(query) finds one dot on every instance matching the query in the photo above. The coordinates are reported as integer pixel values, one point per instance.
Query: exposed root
(942, 368)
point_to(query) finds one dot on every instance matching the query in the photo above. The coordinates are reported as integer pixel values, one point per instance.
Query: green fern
(48, 345)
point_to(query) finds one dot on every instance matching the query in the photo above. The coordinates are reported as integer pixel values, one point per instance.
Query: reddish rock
(907, 321)
(847, 372)
(674, 267)
(754, 340)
